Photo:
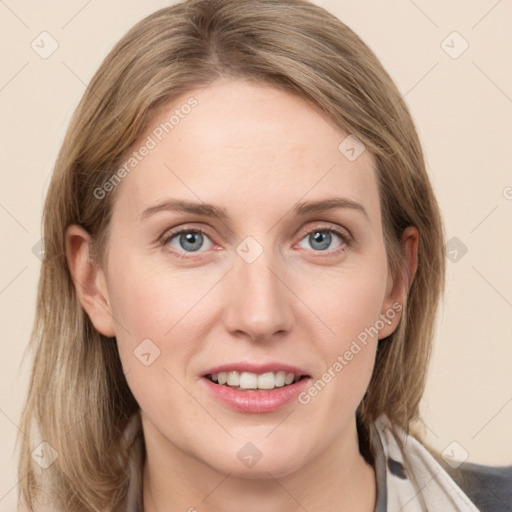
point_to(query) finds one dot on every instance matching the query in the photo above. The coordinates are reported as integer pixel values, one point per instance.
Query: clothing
(414, 481)
(408, 477)
(490, 488)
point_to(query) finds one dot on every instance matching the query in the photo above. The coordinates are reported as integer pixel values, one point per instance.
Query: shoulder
(488, 487)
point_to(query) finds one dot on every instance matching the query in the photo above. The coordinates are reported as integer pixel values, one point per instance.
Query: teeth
(289, 378)
(248, 380)
(280, 377)
(266, 381)
(233, 379)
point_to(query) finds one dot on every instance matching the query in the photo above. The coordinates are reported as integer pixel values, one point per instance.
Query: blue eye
(321, 239)
(188, 240)
(191, 241)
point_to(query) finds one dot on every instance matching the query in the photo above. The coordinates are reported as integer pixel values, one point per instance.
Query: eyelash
(346, 240)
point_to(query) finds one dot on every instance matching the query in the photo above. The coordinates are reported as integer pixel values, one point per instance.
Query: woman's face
(262, 281)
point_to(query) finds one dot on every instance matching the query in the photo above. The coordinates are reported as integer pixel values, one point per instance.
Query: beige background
(463, 110)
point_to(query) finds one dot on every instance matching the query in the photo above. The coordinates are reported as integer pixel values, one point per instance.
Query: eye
(187, 240)
(320, 239)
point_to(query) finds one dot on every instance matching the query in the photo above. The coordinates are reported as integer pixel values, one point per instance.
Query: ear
(398, 291)
(89, 280)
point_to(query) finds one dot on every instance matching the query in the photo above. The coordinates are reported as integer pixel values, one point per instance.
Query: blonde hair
(78, 399)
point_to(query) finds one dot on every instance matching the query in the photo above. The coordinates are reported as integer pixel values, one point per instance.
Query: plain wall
(463, 111)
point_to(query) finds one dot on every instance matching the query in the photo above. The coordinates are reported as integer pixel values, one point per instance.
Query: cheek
(160, 315)
(347, 301)
(155, 342)
(150, 300)
(149, 306)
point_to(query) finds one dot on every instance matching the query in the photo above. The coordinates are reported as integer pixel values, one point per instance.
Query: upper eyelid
(173, 232)
(328, 227)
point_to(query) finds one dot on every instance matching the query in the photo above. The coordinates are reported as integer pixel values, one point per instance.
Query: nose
(258, 303)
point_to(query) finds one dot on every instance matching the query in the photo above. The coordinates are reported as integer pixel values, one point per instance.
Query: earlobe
(89, 280)
(396, 298)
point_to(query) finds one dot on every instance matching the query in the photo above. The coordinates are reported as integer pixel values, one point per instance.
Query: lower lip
(256, 401)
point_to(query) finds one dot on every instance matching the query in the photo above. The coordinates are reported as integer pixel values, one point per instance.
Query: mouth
(249, 387)
(249, 381)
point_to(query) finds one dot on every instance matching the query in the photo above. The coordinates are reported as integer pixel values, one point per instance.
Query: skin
(255, 151)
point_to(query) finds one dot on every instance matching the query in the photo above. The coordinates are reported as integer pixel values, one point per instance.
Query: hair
(78, 399)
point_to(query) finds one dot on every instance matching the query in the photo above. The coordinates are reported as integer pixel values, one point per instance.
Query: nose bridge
(258, 302)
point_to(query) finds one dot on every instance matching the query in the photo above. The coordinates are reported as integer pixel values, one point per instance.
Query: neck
(337, 479)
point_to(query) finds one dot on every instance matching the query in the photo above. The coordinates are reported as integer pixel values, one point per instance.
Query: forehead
(249, 148)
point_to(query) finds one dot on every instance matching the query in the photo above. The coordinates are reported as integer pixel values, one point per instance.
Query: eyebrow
(329, 204)
(210, 210)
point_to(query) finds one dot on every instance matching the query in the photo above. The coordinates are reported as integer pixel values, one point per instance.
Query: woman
(243, 263)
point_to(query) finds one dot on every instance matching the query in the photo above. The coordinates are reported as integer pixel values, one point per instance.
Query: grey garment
(488, 487)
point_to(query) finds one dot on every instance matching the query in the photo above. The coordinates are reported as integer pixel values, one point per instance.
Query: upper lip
(245, 366)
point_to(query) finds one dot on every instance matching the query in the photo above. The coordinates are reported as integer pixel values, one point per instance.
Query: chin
(250, 462)
(260, 471)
